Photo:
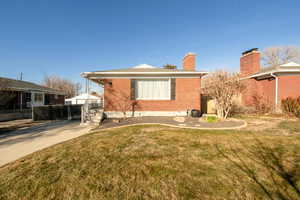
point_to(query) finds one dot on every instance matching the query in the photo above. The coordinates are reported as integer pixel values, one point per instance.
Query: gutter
(273, 71)
(276, 89)
(86, 74)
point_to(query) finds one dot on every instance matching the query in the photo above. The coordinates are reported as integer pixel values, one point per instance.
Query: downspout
(103, 97)
(276, 90)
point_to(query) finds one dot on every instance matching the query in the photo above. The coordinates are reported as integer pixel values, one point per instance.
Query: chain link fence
(56, 112)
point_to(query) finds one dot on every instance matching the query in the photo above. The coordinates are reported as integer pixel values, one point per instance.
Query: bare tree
(69, 87)
(223, 86)
(121, 101)
(78, 88)
(278, 55)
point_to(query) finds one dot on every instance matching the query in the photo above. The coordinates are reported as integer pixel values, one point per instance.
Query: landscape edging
(175, 126)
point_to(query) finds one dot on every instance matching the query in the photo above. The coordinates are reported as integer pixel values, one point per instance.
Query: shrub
(211, 119)
(291, 106)
(169, 66)
(261, 104)
(297, 114)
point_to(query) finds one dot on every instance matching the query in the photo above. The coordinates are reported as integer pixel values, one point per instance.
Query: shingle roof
(19, 85)
(288, 67)
(143, 69)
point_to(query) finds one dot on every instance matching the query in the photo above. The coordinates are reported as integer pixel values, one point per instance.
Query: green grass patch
(291, 126)
(140, 162)
(211, 119)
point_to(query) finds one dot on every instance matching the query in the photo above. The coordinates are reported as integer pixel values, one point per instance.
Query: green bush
(297, 114)
(211, 119)
(291, 106)
(169, 66)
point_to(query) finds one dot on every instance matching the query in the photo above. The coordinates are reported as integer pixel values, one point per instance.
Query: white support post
(82, 115)
(32, 113)
(21, 101)
(88, 86)
(69, 113)
(276, 92)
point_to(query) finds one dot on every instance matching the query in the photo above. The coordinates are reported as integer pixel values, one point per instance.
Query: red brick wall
(247, 95)
(262, 90)
(288, 86)
(256, 90)
(187, 96)
(267, 90)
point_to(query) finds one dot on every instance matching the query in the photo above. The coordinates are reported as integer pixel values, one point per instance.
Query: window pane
(38, 97)
(153, 89)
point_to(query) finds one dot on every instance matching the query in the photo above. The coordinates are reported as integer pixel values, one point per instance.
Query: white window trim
(162, 99)
(37, 103)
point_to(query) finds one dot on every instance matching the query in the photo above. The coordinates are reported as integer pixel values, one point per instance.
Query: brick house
(149, 90)
(25, 94)
(269, 84)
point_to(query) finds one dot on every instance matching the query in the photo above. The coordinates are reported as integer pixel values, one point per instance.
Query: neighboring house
(149, 90)
(26, 94)
(270, 84)
(84, 98)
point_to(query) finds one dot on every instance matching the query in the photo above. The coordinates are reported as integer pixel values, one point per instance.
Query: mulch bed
(188, 122)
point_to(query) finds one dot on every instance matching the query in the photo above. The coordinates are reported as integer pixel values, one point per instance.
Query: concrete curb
(175, 126)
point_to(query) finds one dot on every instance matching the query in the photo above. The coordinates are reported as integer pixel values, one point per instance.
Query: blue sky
(66, 37)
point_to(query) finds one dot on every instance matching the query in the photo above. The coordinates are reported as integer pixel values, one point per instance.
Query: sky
(67, 37)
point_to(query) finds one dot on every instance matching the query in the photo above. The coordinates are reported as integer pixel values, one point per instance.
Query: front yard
(158, 162)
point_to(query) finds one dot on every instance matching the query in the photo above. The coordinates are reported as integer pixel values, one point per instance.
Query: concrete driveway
(17, 144)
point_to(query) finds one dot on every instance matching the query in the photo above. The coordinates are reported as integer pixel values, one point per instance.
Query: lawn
(157, 162)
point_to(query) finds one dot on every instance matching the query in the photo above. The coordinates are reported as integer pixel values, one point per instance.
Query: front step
(93, 117)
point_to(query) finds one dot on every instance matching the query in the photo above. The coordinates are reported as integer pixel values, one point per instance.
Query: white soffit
(290, 64)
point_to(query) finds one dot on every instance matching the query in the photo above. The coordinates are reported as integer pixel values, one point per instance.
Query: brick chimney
(250, 62)
(189, 62)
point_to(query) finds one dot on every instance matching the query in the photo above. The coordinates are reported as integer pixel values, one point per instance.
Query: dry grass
(144, 162)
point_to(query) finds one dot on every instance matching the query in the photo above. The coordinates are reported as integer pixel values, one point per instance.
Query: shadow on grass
(280, 177)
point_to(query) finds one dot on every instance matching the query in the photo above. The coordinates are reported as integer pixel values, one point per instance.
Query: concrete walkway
(17, 144)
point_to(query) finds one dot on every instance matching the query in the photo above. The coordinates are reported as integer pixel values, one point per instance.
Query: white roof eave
(85, 74)
(273, 71)
(84, 97)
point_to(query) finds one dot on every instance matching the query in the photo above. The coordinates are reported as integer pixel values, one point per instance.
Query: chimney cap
(190, 54)
(249, 51)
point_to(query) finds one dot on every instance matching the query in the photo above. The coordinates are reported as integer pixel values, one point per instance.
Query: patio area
(180, 122)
